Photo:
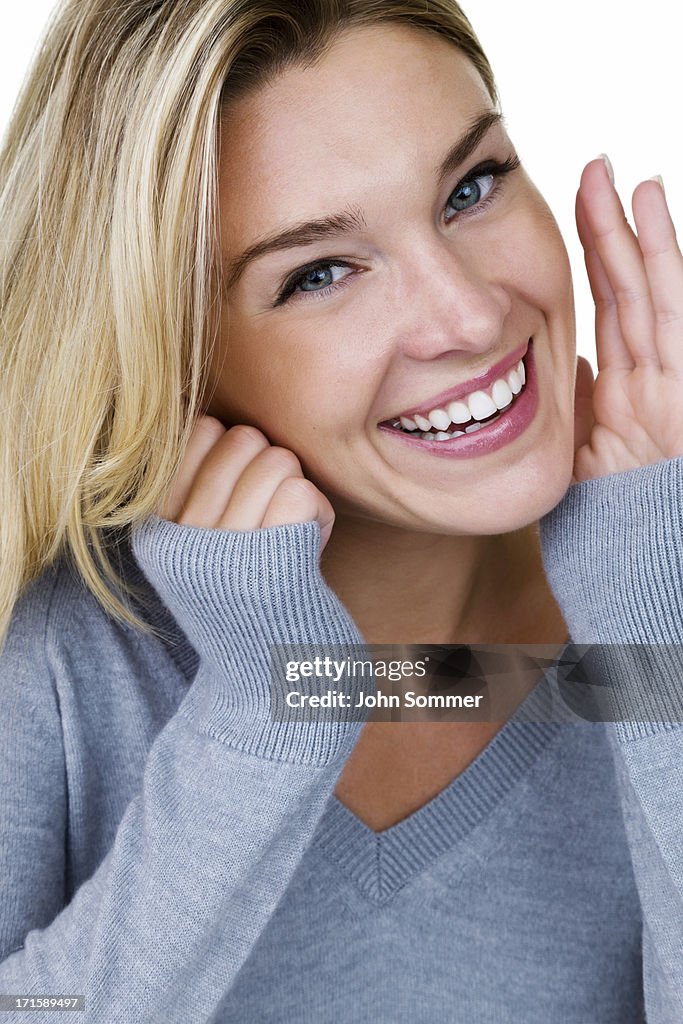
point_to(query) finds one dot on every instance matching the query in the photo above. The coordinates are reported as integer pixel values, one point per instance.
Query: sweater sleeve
(613, 553)
(229, 798)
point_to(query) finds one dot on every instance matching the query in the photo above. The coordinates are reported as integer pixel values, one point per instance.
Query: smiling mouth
(467, 414)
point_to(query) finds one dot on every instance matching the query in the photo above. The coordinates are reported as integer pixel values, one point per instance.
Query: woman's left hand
(632, 414)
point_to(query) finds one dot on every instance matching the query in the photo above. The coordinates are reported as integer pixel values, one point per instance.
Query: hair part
(110, 259)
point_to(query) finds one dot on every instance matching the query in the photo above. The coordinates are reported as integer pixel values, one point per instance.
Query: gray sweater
(173, 855)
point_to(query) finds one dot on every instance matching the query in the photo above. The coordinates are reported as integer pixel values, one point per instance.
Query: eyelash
(491, 168)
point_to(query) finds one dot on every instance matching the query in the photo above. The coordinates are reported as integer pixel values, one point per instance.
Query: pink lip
(512, 423)
(477, 384)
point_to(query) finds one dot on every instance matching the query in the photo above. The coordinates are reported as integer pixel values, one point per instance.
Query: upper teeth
(479, 405)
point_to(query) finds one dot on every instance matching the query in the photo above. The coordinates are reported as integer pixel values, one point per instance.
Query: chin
(528, 499)
(517, 496)
(515, 513)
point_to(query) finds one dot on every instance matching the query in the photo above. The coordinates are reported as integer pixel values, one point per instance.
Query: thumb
(583, 403)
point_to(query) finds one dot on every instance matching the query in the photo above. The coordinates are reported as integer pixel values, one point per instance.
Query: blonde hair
(109, 253)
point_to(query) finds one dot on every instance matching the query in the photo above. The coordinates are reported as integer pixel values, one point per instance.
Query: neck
(403, 587)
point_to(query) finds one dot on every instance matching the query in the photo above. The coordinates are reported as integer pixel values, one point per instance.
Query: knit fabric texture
(172, 854)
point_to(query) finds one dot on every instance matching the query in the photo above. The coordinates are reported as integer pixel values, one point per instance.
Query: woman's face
(433, 260)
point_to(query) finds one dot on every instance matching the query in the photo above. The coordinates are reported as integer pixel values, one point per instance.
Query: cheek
(543, 264)
(249, 380)
(290, 383)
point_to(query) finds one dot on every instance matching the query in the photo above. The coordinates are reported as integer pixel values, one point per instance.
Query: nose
(450, 302)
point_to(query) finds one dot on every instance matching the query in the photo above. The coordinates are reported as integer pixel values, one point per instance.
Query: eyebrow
(300, 234)
(352, 218)
(468, 143)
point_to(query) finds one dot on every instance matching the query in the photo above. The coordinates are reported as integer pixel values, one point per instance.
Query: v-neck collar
(380, 863)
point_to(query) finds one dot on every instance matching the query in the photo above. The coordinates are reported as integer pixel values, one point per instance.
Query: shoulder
(31, 735)
(55, 612)
(54, 617)
(63, 640)
(23, 661)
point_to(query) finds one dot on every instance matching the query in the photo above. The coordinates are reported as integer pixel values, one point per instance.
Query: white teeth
(439, 419)
(473, 426)
(426, 436)
(442, 436)
(459, 413)
(515, 382)
(481, 405)
(502, 394)
(408, 424)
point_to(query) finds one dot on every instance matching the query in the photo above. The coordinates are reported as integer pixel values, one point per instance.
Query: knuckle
(602, 234)
(210, 427)
(302, 493)
(299, 486)
(655, 252)
(244, 434)
(668, 317)
(283, 458)
(630, 296)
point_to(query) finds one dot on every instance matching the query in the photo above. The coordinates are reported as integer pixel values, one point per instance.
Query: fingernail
(608, 165)
(660, 182)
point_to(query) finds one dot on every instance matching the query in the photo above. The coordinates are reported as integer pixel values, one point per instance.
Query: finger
(206, 433)
(611, 349)
(664, 269)
(254, 490)
(298, 500)
(218, 474)
(620, 255)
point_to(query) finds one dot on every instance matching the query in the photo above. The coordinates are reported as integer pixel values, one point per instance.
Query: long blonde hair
(109, 253)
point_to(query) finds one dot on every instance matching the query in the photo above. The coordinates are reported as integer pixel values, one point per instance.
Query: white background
(576, 79)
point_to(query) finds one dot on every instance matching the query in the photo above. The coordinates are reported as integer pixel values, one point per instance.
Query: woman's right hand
(236, 480)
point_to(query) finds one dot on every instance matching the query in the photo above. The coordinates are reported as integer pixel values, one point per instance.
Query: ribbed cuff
(638, 687)
(613, 554)
(238, 595)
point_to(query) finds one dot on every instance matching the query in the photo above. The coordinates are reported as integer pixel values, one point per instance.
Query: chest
(397, 767)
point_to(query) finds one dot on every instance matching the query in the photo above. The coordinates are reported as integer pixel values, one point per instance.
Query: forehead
(382, 100)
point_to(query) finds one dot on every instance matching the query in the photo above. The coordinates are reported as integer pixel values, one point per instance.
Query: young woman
(267, 268)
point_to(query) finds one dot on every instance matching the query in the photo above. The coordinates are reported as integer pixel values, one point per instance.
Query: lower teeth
(443, 435)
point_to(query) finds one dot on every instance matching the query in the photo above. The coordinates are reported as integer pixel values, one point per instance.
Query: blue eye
(471, 192)
(326, 277)
(318, 277)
